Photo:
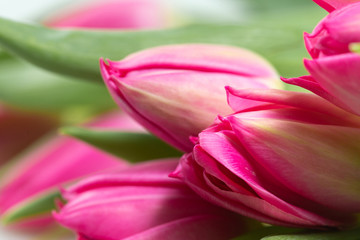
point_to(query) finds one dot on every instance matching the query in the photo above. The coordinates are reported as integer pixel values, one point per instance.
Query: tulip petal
(198, 57)
(334, 34)
(245, 204)
(309, 83)
(343, 24)
(142, 202)
(193, 228)
(188, 171)
(236, 160)
(339, 76)
(120, 99)
(163, 100)
(154, 172)
(142, 207)
(286, 154)
(311, 108)
(331, 5)
(54, 172)
(56, 162)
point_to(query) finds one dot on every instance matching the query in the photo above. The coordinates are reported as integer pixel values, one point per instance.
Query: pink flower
(112, 14)
(56, 162)
(142, 202)
(331, 5)
(335, 32)
(19, 129)
(334, 71)
(287, 158)
(176, 91)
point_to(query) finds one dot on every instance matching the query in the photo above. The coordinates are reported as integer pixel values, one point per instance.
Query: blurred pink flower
(283, 158)
(57, 161)
(142, 202)
(111, 14)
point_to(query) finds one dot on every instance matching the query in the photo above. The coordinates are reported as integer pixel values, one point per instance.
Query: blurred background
(201, 10)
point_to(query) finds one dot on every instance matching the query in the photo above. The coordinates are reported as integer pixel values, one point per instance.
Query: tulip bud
(56, 162)
(176, 91)
(111, 14)
(142, 202)
(335, 32)
(280, 160)
(334, 71)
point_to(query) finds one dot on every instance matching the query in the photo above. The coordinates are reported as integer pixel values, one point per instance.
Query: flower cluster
(250, 149)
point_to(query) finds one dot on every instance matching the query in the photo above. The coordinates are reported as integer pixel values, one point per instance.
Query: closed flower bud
(176, 91)
(334, 70)
(281, 160)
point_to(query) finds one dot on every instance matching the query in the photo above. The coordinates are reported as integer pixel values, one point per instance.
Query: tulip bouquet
(204, 140)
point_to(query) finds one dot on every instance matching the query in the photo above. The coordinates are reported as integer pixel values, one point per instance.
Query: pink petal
(339, 76)
(153, 172)
(163, 101)
(59, 160)
(236, 160)
(309, 83)
(317, 109)
(148, 123)
(298, 155)
(139, 202)
(193, 228)
(245, 204)
(342, 25)
(331, 5)
(198, 57)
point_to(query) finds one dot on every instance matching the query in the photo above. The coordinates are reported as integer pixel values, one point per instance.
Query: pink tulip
(334, 71)
(19, 129)
(176, 91)
(333, 35)
(283, 158)
(331, 5)
(112, 14)
(142, 202)
(56, 162)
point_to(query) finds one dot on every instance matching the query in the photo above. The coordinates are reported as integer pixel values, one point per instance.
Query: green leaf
(353, 234)
(3, 55)
(132, 146)
(29, 87)
(259, 233)
(77, 53)
(40, 204)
